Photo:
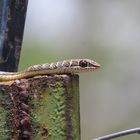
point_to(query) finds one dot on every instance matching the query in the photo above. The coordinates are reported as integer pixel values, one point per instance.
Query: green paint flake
(49, 113)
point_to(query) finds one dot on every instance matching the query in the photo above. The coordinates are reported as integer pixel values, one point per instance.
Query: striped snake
(61, 67)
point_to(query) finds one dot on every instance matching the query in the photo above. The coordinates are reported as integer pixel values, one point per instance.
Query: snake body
(61, 67)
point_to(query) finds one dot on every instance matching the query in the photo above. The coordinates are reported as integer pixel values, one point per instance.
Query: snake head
(88, 64)
(82, 65)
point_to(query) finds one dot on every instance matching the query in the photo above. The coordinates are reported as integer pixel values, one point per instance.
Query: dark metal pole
(12, 20)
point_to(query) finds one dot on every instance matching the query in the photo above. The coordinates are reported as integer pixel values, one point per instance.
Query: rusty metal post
(41, 108)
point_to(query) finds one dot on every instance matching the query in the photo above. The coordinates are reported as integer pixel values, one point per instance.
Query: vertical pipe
(12, 21)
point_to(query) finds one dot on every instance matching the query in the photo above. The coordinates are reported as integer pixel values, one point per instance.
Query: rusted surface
(17, 104)
(45, 107)
(12, 15)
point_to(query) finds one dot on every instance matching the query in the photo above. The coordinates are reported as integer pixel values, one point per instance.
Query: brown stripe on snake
(61, 67)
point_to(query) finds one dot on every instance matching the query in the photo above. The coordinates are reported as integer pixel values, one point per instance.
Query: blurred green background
(105, 31)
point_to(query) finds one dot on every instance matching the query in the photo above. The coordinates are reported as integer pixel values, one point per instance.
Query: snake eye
(83, 63)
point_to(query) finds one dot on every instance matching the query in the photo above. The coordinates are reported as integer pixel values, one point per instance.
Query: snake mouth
(90, 68)
(94, 65)
(85, 69)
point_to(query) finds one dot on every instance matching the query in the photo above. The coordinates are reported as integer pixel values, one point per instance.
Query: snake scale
(60, 67)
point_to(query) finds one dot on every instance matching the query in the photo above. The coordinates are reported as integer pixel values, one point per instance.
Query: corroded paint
(5, 132)
(48, 112)
(56, 114)
(40, 108)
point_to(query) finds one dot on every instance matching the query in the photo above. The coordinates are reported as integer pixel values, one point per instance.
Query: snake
(71, 66)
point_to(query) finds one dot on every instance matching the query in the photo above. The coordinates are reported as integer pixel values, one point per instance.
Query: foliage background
(106, 31)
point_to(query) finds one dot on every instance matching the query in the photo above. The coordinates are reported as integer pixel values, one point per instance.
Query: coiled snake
(61, 67)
